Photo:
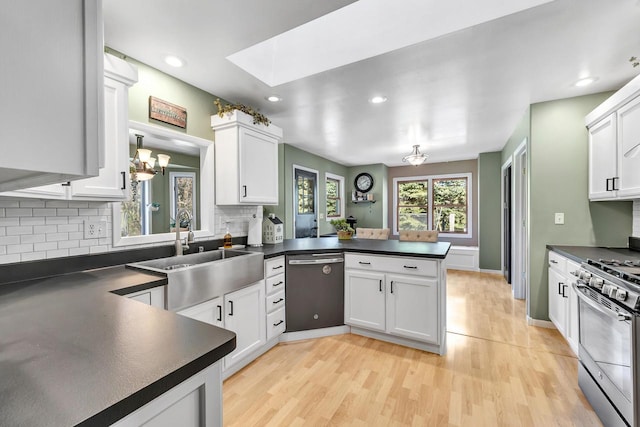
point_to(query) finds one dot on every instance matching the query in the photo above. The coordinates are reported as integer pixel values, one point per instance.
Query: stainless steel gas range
(609, 309)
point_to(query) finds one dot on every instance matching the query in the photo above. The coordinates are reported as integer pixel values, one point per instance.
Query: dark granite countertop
(73, 352)
(383, 247)
(582, 253)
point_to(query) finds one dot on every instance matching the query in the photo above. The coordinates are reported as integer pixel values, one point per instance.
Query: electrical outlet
(95, 229)
(559, 218)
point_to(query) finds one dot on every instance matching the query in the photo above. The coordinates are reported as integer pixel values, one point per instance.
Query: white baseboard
(463, 258)
(540, 323)
(315, 333)
(483, 270)
(250, 358)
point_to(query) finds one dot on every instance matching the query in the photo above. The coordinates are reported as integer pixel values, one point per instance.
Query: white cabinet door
(208, 312)
(245, 315)
(153, 297)
(258, 168)
(412, 307)
(628, 184)
(602, 159)
(51, 103)
(364, 303)
(573, 332)
(112, 180)
(557, 304)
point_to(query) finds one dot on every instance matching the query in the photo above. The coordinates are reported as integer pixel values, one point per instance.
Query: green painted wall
(522, 131)
(289, 156)
(490, 212)
(558, 182)
(369, 215)
(152, 82)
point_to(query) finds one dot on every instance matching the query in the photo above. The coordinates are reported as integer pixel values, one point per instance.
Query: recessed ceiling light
(174, 61)
(274, 98)
(585, 82)
(378, 99)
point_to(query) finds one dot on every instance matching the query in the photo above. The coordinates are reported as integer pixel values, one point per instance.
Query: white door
(412, 307)
(628, 184)
(258, 168)
(602, 158)
(245, 315)
(364, 303)
(208, 312)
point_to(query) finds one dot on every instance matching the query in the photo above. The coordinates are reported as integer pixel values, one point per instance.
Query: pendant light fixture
(416, 158)
(145, 164)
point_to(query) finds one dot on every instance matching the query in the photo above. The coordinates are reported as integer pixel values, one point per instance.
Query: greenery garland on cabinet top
(258, 118)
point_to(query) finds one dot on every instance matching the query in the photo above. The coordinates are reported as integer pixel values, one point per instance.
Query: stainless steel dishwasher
(314, 288)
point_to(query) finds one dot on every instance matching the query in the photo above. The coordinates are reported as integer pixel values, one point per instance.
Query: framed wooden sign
(167, 112)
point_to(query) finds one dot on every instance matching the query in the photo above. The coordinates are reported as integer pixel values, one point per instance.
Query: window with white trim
(334, 193)
(441, 202)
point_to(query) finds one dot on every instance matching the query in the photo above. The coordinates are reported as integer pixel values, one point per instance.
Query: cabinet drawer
(275, 301)
(571, 267)
(275, 283)
(274, 266)
(275, 323)
(557, 261)
(417, 266)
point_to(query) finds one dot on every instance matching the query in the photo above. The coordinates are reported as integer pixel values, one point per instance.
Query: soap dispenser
(228, 244)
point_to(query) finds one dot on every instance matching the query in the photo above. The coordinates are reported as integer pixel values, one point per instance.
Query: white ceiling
(457, 95)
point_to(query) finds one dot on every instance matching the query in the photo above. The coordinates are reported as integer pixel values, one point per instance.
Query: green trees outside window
(433, 203)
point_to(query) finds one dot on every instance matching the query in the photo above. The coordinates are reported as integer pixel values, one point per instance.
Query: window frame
(430, 179)
(341, 193)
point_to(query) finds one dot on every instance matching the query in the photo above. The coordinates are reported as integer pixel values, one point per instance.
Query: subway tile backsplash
(32, 229)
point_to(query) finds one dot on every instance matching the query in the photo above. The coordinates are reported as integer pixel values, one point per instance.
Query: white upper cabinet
(629, 150)
(52, 96)
(603, 159)
(246, 158)
(614, 145)
(113, 179)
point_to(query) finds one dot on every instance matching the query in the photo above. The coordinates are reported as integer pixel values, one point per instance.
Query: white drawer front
(274, 266)
(404, 265)
(275, 301)
(275, 284)
(275, 323)
(557, 261)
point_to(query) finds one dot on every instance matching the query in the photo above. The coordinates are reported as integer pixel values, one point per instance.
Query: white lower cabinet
(153, 297)
(274, 273)
(208, 312)
(412, 307)
(408, 305)
(245, 315)
(242, 312)
(563, 301)
(364, 300)
(195, 402)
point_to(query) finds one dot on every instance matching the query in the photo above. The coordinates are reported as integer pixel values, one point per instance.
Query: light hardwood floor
(497, 372)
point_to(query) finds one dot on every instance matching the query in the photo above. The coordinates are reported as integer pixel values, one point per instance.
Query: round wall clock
(363, 182)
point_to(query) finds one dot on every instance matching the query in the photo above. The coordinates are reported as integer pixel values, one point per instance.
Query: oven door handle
(607, 312)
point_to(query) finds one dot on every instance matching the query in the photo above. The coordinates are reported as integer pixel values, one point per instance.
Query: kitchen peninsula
(77, 352)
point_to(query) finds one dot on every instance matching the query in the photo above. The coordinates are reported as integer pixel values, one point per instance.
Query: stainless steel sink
(199, 277)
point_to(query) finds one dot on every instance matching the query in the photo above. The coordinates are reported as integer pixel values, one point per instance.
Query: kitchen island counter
(438, 250)
(73, 352)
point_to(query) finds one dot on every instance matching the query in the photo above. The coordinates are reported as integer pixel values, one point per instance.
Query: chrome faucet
(180, 248)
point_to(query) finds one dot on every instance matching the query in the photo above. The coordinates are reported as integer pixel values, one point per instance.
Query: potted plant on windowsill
(343, 228)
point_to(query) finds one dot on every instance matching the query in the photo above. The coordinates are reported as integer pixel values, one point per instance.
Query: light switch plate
(559, 218)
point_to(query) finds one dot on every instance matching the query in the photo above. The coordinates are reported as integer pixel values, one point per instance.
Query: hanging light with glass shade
(144, 164)
(416, 158)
